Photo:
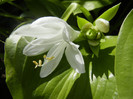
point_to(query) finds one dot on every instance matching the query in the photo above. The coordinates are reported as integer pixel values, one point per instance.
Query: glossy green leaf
(87, 14)
(95, 49)
(91, 5)
(110, 13)
(102, 79)
(124, 59)
(23, 79)
(81, 22)
(106, 57)
(104, 87)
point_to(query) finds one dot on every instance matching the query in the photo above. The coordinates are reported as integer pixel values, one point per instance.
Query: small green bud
(94, 42)
(91, 34)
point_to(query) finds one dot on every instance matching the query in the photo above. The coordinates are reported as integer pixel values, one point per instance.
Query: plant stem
(69, 11)
(2, 41)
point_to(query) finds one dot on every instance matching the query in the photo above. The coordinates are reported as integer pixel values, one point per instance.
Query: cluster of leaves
(99, 82)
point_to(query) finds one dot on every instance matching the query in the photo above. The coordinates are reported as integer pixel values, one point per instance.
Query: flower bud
(102, 25)
(91, 34)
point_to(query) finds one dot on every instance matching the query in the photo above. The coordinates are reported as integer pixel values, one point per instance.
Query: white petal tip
(43, 75)
(80, 71)
(26, 53)
(102, 25)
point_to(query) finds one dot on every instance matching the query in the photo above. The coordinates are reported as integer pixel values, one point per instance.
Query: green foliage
(124, 56)
(103, 82)
(99, 81)
(91, 5)
(87, 14)
(69, 10)
(23, 79)
(110, 13)
(81, 22)
(103, 87)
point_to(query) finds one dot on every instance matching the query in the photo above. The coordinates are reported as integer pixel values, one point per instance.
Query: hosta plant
(50, 59)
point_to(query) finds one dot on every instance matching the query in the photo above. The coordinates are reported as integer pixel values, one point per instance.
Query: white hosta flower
(55, 35)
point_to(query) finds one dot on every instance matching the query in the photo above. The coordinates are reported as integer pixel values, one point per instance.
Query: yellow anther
(50, 58)
(44, 56)
(40, 62)
(35, 62)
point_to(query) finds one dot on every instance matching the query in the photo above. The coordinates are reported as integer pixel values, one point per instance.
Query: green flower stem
(11, 16)
(69, 11)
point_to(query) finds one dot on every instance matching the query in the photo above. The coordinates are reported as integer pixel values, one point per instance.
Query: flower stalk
(69, 11)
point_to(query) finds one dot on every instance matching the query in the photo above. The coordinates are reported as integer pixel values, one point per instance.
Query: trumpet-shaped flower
(55, 36)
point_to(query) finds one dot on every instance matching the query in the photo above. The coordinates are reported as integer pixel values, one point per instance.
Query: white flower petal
(69, 34)
(46, 20)
(75, 58)
(102, 25)
(49, 66)
(39, 31)
(39, 46)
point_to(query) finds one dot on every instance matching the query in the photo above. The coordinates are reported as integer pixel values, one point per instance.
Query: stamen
(35, 62)
(40, 62)
(36, 66)
(44, 56)
(50, 58)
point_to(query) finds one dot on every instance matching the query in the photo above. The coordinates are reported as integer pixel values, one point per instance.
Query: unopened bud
(102, 25)
(91, 34)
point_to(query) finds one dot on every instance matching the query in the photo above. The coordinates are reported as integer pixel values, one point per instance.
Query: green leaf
(91, 5)
(103, 87)
(87, 14)
(23, 79)
(95, 49)
(110, 13)
(105, 61)
(103, 82)
(124, 59)
(81, 88)
(81, 22)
